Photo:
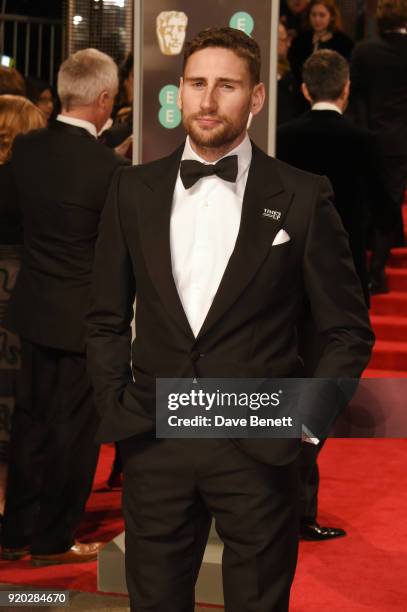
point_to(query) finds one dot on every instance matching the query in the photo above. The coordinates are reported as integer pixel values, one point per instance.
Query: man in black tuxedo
(324, 142)
(221, 244)
(62, 175)
(379, 103)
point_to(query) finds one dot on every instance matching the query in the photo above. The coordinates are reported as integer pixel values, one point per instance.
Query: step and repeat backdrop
(161, 29)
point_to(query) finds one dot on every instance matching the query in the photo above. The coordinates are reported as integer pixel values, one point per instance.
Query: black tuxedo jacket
(250, 329)
(62, 176)
(326, 143)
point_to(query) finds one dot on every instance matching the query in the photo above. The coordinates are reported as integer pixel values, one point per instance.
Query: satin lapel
(265, 206)
(155, 237)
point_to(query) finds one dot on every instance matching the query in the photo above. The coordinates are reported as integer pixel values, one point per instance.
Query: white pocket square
(281, 237)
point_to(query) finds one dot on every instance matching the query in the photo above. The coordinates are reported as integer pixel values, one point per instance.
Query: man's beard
(219, 136)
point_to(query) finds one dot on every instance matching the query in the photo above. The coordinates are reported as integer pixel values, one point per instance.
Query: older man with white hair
(62, 175)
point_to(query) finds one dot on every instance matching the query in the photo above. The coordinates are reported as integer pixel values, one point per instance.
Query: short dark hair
(391, 14)
(325, 74)
(227, 38)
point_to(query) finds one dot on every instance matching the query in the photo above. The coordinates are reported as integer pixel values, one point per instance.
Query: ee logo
(242, 21)
(169, 114)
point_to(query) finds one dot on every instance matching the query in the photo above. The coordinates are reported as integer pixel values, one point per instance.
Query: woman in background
(119, 135)
(17, 116)
(324, 32)
(40, 94)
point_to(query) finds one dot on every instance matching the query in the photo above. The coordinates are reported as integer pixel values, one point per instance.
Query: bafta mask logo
(170, 28)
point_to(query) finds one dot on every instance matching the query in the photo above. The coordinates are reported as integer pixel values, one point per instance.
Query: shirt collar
(86, 125)
(326, 106)
(243, 152)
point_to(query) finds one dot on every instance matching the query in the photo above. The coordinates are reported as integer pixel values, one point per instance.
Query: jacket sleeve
(109, 326)
(339, 310)
(334, 292)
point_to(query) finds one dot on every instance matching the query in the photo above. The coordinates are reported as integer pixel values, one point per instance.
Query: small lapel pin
(272, 214)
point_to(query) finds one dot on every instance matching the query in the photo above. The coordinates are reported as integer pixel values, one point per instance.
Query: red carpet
(364, 490)
(389, 319)
(103, 522)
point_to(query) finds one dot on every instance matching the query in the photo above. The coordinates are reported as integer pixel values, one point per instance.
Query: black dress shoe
(314, 532)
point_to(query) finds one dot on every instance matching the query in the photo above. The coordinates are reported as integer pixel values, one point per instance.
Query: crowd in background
(375, 100)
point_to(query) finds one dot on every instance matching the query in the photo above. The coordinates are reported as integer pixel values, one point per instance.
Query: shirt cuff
(308, 436)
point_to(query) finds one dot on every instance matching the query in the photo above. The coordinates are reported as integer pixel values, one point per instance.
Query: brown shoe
(78, 553)
(14, 554)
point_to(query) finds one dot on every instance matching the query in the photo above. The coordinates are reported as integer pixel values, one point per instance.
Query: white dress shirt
(205, 221)
(326, 106)
(86, 125)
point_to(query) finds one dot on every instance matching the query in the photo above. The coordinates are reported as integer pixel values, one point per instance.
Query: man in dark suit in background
(324, 142)
(379, 103)
(62, 175)
(221, 243)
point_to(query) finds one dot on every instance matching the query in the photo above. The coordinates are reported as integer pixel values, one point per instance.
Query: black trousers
(53, 455)
(171, 487)
(309, 478)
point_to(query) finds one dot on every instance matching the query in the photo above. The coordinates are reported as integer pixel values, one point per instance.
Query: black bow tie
(191, 170)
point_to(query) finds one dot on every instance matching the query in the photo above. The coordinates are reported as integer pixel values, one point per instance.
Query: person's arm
(112, 298)
(339, 310)
(109, 325)
(334, 292)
